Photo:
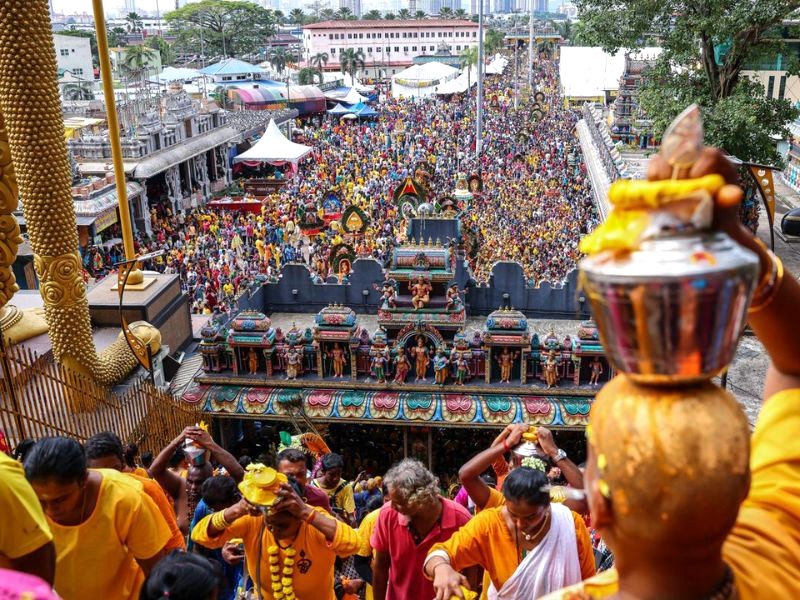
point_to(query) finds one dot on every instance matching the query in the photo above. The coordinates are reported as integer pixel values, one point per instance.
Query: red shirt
(391, 535)
(316, 497)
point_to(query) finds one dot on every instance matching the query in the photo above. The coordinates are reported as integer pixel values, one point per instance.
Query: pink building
(388, 46)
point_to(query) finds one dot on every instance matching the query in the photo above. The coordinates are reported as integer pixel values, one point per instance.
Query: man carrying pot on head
(200, 449)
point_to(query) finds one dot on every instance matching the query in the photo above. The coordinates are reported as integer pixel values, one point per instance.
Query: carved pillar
(320, 354)
(39, 151)
(488, 365)
(523, 365)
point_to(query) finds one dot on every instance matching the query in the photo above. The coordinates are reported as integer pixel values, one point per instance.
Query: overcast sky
(111, 6)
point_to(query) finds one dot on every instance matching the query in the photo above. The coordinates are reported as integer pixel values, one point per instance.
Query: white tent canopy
(178, 74)
(353, 97)
(274, 148)
(422, 80)
(459, 84)
(587, 72)
(497, 65)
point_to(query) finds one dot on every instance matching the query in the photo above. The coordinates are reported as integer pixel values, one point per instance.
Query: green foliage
(706, 46)
(327, 14)
(446, 12)
(373, 15)
(163, 47)
(135, 24)
(280, 58)
(308, 76)
(297, 16)
(420, 14)
(227, 27)
(460, 13)
(345, 14)
(137, 57)
(116, 38)
(351, 60)
(493, 41)
(319, 60)
(390, 16)
(404, 14)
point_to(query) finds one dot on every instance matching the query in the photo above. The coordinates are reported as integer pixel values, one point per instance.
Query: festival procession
(458, 339)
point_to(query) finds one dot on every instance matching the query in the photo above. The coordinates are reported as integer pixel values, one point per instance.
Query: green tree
(345, 14)
(78, 91)
(494, 41)
(373, 15)
(390, 16)
(706, 46)
(420, 14)
(307, 76)
(468, 59)
(446, 12)
(327, 14)
(297, 16)
(135, 60)
(403, 14)
(351, 60)
(319, 60)
(163, 47)
(223, 27)
(460, 13)
(135, 24)
(116, 38)
(280, 58)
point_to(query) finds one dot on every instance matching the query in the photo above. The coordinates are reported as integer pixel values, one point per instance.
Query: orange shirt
(167, 510)
(313, 573)
(763, 548)
(486, 541)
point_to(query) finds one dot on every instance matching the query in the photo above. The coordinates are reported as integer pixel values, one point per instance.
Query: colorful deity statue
(506, 361)
(420, 292)
(402, 366)
(597, 369)
(379, 367)
(388, 293)
(338, 356)
(551, 370)
(422, 358)
(252, 361)
(440, 367)
(293, 362)
(454, 301)
(462, 369)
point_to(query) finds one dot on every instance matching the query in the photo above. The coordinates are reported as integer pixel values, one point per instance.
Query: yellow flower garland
(281, 575)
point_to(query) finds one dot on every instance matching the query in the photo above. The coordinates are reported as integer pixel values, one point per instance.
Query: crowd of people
(534, 189)
(94, 520)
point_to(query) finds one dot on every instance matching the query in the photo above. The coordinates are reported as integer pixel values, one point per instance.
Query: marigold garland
(281, 574)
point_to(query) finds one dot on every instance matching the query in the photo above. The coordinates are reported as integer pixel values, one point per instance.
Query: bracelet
(766, 292)
(218, 520)
(310, 518)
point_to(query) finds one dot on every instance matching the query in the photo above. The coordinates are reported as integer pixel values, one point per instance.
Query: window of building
(413, 48)
(474, 34)
(369, 50)
(405, 49)
(432, 48)
(64, 52)
(771, 86)
(330, 36)
(79, 71)
(227, 78)
(782, 88)
(333, 50)
(349, 36)
(378, 49)
(360, 49)
(458, 47)
(397, 48)
(361, 36)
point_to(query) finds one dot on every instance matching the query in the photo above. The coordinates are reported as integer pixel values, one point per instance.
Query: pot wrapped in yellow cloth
(261, 484)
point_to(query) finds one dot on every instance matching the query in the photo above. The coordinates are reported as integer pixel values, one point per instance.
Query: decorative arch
(412, 330)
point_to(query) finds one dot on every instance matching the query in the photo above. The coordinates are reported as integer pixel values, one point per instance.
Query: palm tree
(78, 91)
(319, 60)
(280, 58)
(297, 16)
(446, 12)
(403, 14)
(307, 76)
(163, 47)
(345, 14)
(460, 13)
(137, 57)
(373, 15)
(327, 14)
(116, 37)
(134, 22)
(420, 14)
(468, 59)
(389, 16)
(351, 60)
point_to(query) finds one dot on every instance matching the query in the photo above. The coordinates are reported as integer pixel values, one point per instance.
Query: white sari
(550, 566)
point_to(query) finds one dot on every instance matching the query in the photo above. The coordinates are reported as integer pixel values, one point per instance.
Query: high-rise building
(130, 6)
(353, 5)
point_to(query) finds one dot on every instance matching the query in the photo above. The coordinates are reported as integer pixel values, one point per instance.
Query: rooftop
(392, 24)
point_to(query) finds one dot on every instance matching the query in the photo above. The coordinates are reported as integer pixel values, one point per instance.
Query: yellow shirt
(763, 548)
(23, 526)
(343, 498)
(97, 559)
(313, 573)
(364, 533)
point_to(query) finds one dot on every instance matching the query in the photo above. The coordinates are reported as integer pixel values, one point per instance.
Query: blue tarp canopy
(362, 110)
(339, 109)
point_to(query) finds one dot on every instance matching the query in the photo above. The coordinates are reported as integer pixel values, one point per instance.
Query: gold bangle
(219, 521)
(765, 296)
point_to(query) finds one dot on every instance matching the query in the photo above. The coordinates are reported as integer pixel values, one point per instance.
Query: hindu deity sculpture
(440, 367)
(420, 292)
(422, 358)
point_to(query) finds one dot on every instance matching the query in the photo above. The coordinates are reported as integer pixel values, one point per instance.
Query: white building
(388, 46)
(74, 55)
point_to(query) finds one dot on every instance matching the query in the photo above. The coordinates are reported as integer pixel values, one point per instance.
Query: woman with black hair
(528, 546)
(108, 533)
(183, 576)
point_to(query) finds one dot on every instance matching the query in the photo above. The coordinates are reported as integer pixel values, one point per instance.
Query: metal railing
(610, 166)
(40, 398)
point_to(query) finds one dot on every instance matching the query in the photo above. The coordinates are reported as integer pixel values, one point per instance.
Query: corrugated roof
(163, 160)
(392, 24)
